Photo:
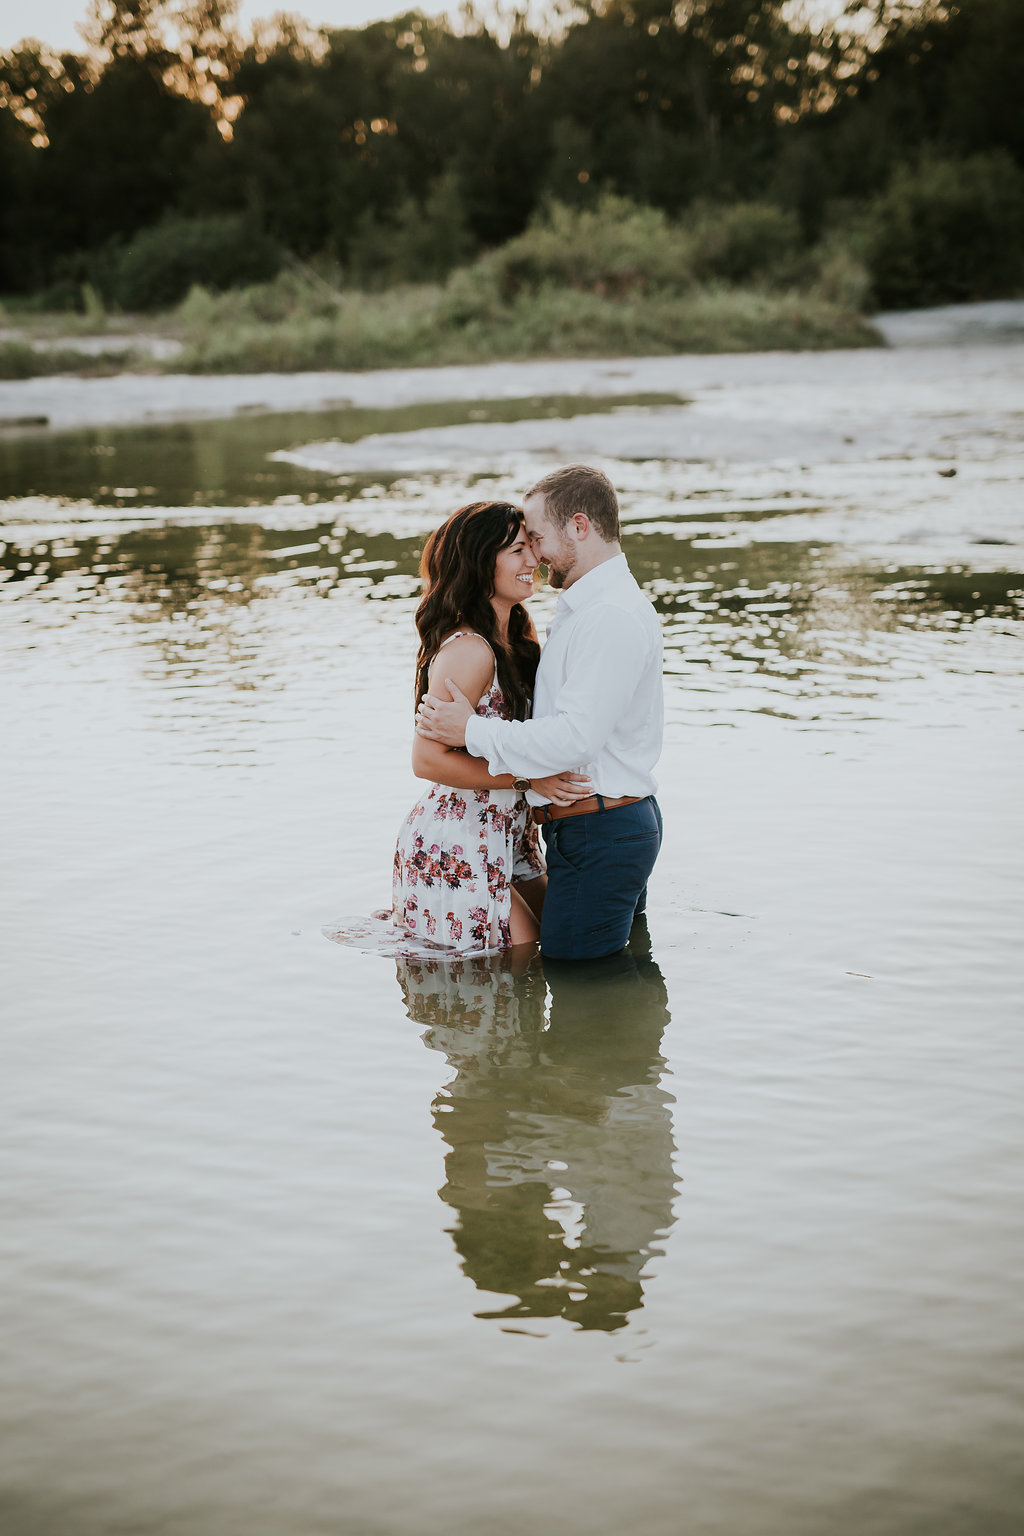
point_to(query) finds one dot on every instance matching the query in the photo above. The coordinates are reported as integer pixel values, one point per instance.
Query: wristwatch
(520, 785)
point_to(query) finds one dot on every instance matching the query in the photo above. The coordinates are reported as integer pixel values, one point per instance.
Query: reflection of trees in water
(213, 580)
(773, 628)
(559, 1166)
(225, 462)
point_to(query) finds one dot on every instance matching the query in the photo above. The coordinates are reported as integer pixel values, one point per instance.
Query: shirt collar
(589, 588)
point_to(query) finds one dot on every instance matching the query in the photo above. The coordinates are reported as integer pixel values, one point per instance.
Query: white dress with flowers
(458, 852)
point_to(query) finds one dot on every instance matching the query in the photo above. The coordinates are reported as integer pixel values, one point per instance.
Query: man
(597, 705)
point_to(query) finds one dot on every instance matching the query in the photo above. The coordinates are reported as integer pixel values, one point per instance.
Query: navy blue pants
(598, 867)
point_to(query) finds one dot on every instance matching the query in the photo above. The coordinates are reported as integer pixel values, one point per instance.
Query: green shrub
(561, 322)
(363, 331)
(473, 294)
(159, 265)
(611, 249)
(614, 247)
(20, 360)
(842, 277)
(431, 325)
(62, 296)
(93, 307)
(946, 231)
(421, 240)
(299, 290)
(747, 242)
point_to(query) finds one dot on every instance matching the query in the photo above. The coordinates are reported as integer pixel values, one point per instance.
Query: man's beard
(559, 574)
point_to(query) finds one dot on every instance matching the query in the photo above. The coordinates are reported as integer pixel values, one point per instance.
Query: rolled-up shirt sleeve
(608, 655)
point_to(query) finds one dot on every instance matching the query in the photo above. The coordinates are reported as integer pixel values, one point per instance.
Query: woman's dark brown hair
(458, 574)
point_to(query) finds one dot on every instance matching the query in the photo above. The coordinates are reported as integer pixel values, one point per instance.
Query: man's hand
(445, 720)
(564, 788)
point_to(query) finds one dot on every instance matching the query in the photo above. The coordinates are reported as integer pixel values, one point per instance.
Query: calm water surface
(721, 1237)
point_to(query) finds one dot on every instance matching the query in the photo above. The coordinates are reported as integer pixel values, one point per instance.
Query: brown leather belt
(598, 803)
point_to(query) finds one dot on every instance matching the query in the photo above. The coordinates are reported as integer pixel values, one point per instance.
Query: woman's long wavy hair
(458, 574)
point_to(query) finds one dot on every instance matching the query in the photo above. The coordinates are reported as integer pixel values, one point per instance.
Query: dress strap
(461, 634)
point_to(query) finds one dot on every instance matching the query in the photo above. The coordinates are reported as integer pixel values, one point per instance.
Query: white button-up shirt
(598, 705)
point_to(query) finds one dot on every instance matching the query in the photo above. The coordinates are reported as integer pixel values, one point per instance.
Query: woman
(468, 873)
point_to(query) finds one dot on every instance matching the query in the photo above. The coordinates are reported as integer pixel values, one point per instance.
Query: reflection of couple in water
(513, 739)
(559, 1167)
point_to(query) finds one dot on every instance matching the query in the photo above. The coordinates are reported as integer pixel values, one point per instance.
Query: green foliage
(362, 331)
(473, 295)
(739, 134)
(615, 248)
(612, 249)
(748, 242)
(297, 291)
(842, 277)
(120, 157)
(948, 230)
(417, 242)
(561, 322)
(162, 263)
(675, 102)
(573, 153)
(20, 360)
(64, 296)
(468, 321)
(93, 307)
(943, 81)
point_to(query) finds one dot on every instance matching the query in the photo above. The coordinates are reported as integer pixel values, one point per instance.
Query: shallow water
(723, 1237)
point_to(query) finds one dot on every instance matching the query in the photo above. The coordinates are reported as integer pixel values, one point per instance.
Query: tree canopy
(343, 141)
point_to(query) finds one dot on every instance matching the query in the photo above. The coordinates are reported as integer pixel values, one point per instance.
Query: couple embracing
(515, 741)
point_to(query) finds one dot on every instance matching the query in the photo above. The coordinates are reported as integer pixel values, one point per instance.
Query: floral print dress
(458, 852)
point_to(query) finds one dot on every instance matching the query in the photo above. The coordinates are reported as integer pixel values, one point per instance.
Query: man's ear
(582, 524)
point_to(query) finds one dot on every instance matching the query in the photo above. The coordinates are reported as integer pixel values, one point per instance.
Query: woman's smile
(513, 571)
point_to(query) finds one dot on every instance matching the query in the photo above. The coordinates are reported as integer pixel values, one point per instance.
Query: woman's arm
(470, 665)
(451, 765)
(454, 766)
(468, 658)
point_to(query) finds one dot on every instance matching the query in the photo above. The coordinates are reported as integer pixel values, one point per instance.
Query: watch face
(522, 785)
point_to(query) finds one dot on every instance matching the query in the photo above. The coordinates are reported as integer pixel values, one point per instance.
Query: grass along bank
(612, 280)
(416, 326)
(425, 326)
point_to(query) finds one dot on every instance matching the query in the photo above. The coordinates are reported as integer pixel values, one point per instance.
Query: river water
(721, 1237)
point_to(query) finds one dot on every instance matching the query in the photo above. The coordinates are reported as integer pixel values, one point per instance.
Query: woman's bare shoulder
(468, 660)
(463, 640)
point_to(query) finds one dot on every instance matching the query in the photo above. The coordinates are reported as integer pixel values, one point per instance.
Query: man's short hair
(578, 488)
